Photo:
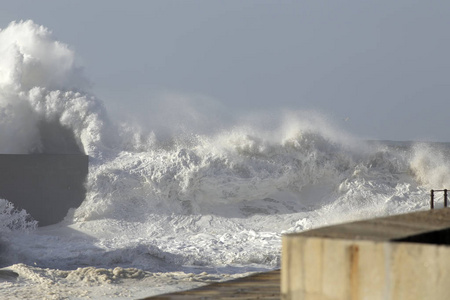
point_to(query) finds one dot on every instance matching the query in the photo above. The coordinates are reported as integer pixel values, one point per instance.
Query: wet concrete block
(397, 257)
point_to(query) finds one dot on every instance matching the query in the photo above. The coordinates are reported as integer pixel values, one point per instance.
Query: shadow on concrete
(438, 237)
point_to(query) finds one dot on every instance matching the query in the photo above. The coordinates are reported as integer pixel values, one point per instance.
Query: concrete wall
(386, 258)
(45, 185)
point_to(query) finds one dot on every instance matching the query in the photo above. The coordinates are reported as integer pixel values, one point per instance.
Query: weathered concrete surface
(387, 228)
(259, 286)
(45, 185)
(384, 258)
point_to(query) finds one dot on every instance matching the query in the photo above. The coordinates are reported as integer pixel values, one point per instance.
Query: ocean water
(177, 208)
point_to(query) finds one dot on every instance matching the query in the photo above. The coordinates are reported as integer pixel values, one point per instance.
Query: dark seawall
(45, 185)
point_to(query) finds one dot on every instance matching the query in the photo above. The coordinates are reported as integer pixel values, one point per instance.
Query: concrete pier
(398, 257)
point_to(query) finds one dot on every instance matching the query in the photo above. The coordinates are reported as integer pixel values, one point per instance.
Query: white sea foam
(192, 200)
(12, 219)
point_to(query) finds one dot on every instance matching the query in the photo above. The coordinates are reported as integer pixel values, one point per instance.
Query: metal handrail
(432, 198)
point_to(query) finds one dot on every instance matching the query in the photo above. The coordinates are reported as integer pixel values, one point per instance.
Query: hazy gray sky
(383, 66)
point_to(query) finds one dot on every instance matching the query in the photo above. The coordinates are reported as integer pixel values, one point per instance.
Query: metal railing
(432, 197)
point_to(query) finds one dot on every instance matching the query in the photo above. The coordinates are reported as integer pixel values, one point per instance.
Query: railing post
(445, 198)
(432, 199)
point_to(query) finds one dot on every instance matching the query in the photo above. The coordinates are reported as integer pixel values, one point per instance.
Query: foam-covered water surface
(171, 211)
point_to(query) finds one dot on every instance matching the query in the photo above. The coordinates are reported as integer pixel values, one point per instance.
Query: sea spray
(31, 57)
(190, 199)
(13, 219)
(430, 165)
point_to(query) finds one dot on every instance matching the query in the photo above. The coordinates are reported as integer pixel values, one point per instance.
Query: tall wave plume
(42, 104)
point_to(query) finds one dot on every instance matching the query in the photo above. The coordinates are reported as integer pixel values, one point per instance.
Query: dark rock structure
(45, 185)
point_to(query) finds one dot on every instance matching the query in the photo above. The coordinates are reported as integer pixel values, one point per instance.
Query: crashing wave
(200, 197)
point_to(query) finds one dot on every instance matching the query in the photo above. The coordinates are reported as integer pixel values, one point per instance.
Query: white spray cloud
(30, 57)
(18, 130)
(41, 83)
(430, 166)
